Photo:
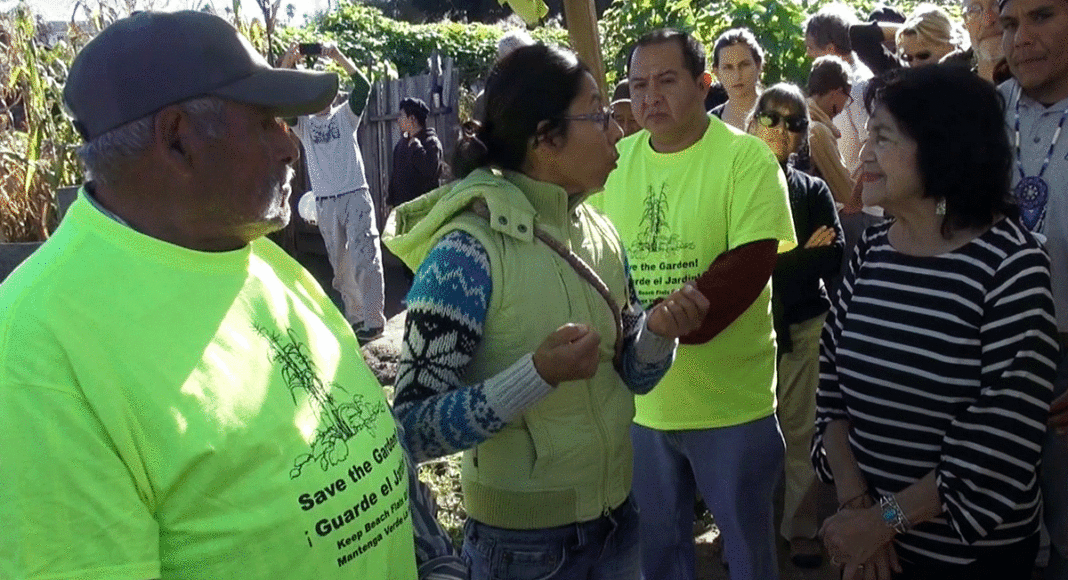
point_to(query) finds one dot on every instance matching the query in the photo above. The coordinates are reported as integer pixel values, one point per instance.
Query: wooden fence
(378, 133)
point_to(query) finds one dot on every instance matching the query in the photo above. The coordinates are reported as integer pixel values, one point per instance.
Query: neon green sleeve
(69, 503)
(760, 206)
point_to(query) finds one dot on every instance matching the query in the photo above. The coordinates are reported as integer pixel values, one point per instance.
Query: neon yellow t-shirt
(675, 214)
(166, 413)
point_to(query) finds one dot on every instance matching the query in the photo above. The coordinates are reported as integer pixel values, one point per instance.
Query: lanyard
(1052, 144)
(1032, 193)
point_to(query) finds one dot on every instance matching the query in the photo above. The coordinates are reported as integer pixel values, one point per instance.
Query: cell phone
(310, 48)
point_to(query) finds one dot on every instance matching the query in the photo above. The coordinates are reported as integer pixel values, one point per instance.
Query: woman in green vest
(524, 340)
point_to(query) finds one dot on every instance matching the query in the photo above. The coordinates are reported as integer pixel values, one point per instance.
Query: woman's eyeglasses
(794, 123)
(604, 117)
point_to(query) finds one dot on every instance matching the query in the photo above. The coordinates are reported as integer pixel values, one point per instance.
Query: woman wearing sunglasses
(525, 341)
(928, 35)
(799, 305)
(937, 359)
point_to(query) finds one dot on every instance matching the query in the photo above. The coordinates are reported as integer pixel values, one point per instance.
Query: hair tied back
(471, 151)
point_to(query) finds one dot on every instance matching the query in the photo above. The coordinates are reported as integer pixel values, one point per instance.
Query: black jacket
(417, 167)
(798, 292)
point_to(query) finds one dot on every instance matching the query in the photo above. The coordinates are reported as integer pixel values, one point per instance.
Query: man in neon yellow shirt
(694, 198)
(178, 398)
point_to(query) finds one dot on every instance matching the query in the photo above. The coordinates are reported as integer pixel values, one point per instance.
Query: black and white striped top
(945, 363)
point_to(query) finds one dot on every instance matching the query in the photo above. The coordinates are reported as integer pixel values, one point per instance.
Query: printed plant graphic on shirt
(655, 236)
(324, 134)
(338, 421)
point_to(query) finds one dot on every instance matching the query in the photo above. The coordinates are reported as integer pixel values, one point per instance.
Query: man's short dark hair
(831, 24)
(693, 54)
(415, 108)
(884, 13)
(829, 72)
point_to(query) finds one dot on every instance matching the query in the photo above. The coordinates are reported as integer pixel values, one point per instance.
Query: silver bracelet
(893, 515)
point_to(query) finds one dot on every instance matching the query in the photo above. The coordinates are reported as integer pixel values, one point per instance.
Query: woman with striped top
(937, 356)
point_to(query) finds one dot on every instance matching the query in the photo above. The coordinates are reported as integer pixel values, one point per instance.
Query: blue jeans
(602, 549)
(736, 469)
(1055, 486)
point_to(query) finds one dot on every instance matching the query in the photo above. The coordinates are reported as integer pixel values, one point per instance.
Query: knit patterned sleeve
(647, 356)
(991, 451)
(447, 307)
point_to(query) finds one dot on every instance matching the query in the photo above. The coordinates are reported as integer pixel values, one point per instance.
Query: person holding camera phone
(346, 214)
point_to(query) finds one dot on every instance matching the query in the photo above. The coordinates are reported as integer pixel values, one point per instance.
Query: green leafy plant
(37, 141)
(393, 48)
(778, 26)
(626, 20)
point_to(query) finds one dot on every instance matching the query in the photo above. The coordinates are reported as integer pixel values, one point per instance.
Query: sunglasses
(794, 123)
(603, 118)
(919, 56)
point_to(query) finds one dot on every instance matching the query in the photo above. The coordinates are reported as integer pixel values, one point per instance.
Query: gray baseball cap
(143, 63)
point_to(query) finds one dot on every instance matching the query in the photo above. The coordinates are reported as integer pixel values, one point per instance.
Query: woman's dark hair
(742, 36)
(963, 151)
(532, 84)
(415, 108)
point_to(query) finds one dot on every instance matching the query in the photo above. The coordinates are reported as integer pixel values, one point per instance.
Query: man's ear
(175, 139)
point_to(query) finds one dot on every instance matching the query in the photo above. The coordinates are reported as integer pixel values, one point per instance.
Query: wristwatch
(893, 515)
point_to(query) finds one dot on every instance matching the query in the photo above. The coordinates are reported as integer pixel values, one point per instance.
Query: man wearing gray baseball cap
(178, 397)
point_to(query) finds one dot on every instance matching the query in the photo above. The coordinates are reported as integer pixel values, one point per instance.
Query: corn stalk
(37, 140)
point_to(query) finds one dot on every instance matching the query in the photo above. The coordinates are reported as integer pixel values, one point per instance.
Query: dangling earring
(940, 207)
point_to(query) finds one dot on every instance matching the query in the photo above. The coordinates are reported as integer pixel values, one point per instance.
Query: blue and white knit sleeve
(447, 307)
(647, 356)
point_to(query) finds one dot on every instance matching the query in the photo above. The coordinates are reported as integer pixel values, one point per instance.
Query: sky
(62, 9)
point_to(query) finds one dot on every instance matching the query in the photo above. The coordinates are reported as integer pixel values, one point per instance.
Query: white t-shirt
(335, 164)
(852, 123)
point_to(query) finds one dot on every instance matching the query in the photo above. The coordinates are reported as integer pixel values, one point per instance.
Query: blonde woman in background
(928, 35)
